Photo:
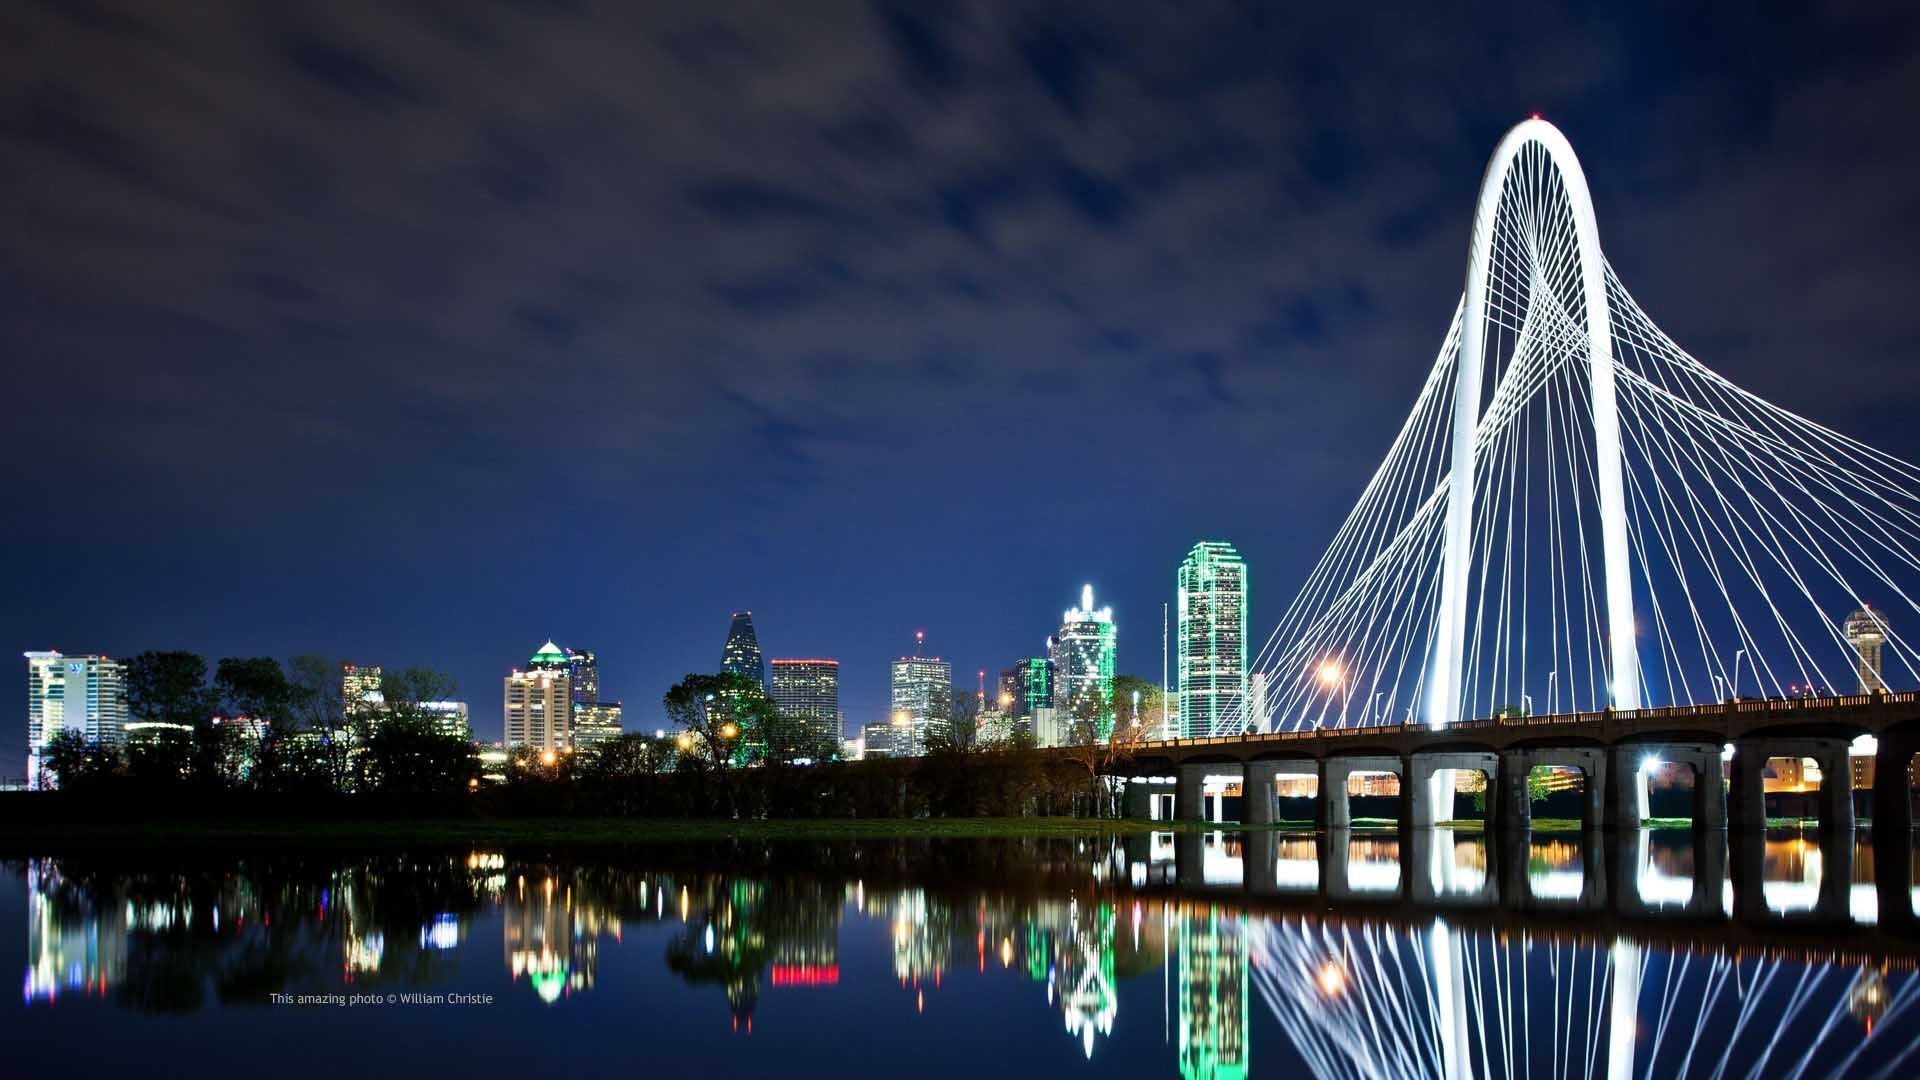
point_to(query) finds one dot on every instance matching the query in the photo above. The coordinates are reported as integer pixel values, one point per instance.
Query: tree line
(281, 734)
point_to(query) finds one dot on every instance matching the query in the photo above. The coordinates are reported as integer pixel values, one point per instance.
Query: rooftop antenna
(919, 639)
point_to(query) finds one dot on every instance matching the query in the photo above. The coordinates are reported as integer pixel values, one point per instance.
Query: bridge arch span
(1530, 147)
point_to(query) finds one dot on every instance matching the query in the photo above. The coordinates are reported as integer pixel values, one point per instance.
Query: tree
(256, 690)
(318, 717)
(627, 756)
(964, 717)
(724, 717)
(1138, 703)
(75, 763)
(406, 750)
(1097, 756)
(170, 688)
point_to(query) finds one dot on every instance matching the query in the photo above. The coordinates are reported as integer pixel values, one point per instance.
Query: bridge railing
(1629, 717)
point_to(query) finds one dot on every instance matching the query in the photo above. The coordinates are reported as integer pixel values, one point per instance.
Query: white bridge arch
(1577, 514)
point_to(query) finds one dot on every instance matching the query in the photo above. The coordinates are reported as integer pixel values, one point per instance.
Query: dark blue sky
(420, 336)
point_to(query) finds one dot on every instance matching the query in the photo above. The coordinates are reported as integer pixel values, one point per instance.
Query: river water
(1195, 955)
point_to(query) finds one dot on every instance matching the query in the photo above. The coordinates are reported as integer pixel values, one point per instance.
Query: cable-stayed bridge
(1578, 515)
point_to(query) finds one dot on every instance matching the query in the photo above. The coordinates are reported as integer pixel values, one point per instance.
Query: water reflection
(1343, 954)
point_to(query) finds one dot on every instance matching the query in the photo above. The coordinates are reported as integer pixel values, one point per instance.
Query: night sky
(420, 337)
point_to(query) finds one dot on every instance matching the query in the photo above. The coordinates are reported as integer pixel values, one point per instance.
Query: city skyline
(1214, 246)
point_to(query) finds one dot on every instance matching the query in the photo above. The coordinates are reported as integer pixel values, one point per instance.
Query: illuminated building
(1030, 684)
(449, 718)
(741, 655)
(885, 738)
(359, 690)
(1213, 996)
(552, 657)
(583, 676)
(595, 723)
(1083, 661)
(85, 694)
(922, 703)
(539, 702)
(807, 695)
(1211, 641)
(1866, 631)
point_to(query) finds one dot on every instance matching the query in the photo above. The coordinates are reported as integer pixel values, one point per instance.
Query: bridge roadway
(1610, 749)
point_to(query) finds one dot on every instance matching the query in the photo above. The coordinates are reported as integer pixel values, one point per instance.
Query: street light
(1526, 703)
(729, 729)
(1737, 654)
(1553, 692)
(1333, 676)
(1719, 688)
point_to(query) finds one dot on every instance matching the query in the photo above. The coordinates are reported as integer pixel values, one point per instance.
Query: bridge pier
(1627, 802)
(1747, 803)
(1893, 830)
(1336, 811)
(1189, 800)
(1516, 809)
(1137, 802)
(1428, 805)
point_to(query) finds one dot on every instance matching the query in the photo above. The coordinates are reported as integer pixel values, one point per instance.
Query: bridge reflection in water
(1363, 954)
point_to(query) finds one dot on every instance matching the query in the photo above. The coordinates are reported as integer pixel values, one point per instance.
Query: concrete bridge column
(1189, 801)
(1627, 795)
(1335, 812)
(1257, 796)
(1507, 803)
(1135, 802)
(1893, 831)
(1746, 799)
(1836, 790)
(1429, 804)
(1710, 797)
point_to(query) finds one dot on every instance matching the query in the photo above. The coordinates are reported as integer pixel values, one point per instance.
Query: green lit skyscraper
(1083, 656)
(1211, 640)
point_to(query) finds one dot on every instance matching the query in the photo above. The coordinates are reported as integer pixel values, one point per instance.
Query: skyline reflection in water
(1199, 955)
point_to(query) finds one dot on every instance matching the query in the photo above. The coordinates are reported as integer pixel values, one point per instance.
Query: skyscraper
(1029, 685)
(1083, 659)
(807, 694)
(583, 676)
(539, 702)
(595, 723)
(360, 694)
(742, 652)
(85, 694)
(1866, 631)
(922, 701)
(1211, 641)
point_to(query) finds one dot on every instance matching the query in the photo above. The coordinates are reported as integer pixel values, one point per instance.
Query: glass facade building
(807, 695)
(1210, 641)
(1083, 663)
(595, 722)
(87, 694)
(922, 703)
